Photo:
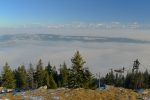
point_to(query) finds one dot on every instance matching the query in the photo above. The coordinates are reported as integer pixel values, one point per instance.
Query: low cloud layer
(133, 30)
(101, 55)
(52, 37)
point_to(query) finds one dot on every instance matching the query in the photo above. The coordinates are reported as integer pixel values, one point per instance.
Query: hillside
(78, 94)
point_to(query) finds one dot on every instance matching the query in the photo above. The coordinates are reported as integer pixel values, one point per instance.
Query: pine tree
(78, 75)
(8, 77)
(21, 77)
(30, 77)
(64, 75)
(146, 79)
(119, 80)
(134, 80)
(139, 80)
(51, 76)
(128, 80)
(47, 79)
(109, 79)
(89, 81)
(55, 75)
(39, 76)
(1, 81)
(49, 68)
(52, 82)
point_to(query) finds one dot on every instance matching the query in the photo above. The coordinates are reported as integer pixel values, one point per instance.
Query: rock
(56, 98)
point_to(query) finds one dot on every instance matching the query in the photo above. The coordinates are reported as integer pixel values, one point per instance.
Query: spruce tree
(1, 81)
(21, 77)
(47, 79)
(78, 75)
(30, 76)
(89, 81)
(39, 74)
(49, 68)
(109, 79)
(8, 77)
(51, 76)
(146, 79)
(64, 75)
(52, 83)
(119, 80)
(55, 75)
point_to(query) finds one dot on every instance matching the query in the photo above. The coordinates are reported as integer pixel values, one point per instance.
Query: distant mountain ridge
(52, 37)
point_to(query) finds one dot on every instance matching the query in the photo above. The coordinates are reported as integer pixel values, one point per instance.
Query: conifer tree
(1, 81)
(64, 74)
(89, 81)
(76, 72)
(78, 75)
(47, 79)
(52, 82)
(39, 76)
(119, 80)
(8, 77)
(146, 79)
(55, 75)
(109, 79)
(51, 76)
(30, 76)
(49, 68)
(21, 77)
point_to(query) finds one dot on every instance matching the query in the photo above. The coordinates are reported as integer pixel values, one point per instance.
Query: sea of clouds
(102, 45)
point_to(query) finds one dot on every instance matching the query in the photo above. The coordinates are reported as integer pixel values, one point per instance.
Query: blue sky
(18, 12)
(74, 17)
(100, 18)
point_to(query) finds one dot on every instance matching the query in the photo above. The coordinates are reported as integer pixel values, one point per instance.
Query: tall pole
(99, 79)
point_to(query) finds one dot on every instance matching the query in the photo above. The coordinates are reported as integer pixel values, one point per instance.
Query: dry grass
(79, 94)
(9, 96)
(86, 94)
